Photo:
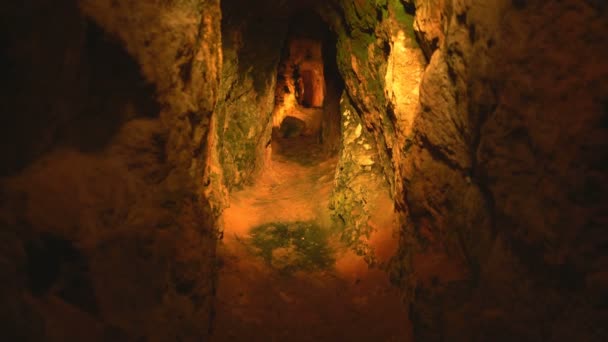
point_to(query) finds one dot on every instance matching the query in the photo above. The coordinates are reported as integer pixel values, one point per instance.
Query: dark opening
(116, 92)
(55, 266)
(309, 89)
(75, 91)
(410, 7)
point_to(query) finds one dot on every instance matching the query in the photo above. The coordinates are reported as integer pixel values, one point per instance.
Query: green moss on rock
(405, 20)
(293, 246)
(349, 199)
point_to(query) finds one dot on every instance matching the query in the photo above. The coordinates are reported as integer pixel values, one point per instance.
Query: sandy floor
(344, 302)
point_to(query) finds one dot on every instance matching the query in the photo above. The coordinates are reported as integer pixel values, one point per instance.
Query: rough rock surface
(499, 171)
(486, 121)
(373, 40)
(106, 234)
(507, 235)
(358, 178)
(242, 123)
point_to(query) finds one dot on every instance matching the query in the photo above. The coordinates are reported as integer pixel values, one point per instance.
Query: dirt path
(285, 275)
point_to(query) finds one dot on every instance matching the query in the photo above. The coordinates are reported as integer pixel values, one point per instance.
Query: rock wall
(106, 232)
(381, 64)
(121, 138)
(497, 168)
(253, 37)
(357, 174)
(503, 182)
(362, 52)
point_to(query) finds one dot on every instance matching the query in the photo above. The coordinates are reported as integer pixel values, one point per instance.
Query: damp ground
(284, 273)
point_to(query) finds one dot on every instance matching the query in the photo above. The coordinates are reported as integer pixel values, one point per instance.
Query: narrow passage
(285, 275)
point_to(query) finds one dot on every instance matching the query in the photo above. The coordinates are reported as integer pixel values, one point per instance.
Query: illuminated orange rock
(301, 88)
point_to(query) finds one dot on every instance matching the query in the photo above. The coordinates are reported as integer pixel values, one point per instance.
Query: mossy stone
(293, 246)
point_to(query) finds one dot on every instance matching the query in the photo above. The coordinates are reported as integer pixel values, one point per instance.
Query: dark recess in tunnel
(113, 82)
(410, 7)
(308, 24)
(308, 88)
(76, 92)
(55, 265)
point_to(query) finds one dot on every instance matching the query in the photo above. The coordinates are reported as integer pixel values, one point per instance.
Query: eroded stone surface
(495, 176)
(494, 158)
(109, 230)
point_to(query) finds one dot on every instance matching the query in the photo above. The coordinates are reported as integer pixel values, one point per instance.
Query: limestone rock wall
(503, 182)
(253, 37)
(496, 160)
(382, 65)
(106, 232)
(362, 52)
(357, 172)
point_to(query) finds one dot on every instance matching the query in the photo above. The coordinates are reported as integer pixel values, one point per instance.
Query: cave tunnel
(306, 115)
(303, 170)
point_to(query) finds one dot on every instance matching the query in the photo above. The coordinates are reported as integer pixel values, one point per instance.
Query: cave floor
(285, 275)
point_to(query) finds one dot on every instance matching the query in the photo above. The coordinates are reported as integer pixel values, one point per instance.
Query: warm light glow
(301, 87)
(403, 75)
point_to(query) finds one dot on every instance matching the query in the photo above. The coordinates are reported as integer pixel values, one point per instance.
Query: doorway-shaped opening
(312, 96)
(306, 120)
